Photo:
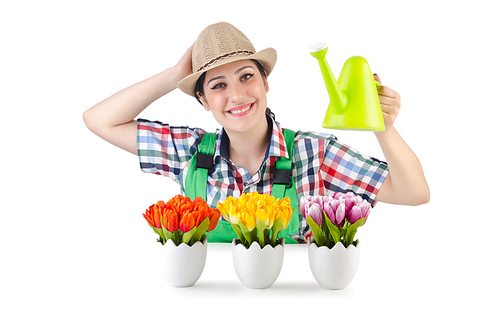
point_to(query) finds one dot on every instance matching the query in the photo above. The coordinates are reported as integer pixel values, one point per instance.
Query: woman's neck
(249, 149)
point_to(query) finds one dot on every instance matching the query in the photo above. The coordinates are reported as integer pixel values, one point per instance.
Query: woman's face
(236, 95)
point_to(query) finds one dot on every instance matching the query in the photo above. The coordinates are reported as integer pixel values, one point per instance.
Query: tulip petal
(354, 215)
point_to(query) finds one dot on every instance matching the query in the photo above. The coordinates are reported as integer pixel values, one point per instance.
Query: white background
(75, 251)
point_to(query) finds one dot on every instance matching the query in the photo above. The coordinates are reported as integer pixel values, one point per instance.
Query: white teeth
(239, 111)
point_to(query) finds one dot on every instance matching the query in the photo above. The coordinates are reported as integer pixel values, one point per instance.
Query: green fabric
(280, 190)
(196, 185)
(196, 179)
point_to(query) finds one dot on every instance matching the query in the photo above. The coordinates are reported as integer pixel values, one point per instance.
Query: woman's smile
(241, 110)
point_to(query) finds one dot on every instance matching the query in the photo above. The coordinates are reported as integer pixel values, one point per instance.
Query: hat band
(222, 57)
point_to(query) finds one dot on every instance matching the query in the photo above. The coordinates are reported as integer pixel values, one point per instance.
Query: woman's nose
(237, 93)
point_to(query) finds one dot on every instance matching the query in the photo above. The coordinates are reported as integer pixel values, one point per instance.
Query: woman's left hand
(390, 102)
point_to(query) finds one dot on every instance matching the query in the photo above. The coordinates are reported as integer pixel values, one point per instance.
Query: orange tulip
(171, 220)
(214, 216)
(154, 214)
(187, 222)
(201, 213)
(180, 213)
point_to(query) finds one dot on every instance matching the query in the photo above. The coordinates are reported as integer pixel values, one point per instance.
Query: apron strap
(284, 185)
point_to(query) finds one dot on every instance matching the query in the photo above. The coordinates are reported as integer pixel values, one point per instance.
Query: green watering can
(354, 102)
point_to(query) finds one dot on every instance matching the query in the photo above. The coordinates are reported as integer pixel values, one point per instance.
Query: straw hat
(219, 44)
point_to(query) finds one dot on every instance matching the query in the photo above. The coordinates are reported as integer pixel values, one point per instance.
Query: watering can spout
(338, 100)
(354, 102)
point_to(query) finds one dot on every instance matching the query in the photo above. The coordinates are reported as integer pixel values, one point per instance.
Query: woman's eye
(246, 76)
(217, 86)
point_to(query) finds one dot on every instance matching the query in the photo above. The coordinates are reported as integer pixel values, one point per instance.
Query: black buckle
(283, 176)
(205, 161)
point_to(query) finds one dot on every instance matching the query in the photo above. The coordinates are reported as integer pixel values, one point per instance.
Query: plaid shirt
(321, 164)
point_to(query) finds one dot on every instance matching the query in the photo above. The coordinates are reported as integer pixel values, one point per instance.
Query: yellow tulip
(265, 215)
(252, 209)
(247, 218)
(233, 215)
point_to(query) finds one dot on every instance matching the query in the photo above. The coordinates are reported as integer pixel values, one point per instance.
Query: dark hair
(198, 88)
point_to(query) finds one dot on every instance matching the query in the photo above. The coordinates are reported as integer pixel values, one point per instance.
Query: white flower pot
(256, 267)
(182, 265)
(334, 268)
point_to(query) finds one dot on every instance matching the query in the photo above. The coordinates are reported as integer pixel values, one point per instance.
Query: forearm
(124, 106)
(406, 183)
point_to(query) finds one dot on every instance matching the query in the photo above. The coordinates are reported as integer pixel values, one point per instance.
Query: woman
(230, 79)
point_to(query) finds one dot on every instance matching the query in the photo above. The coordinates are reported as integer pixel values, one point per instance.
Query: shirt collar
(276, 147)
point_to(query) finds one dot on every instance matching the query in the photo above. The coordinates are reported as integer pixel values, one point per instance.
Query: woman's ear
(266, 86)
(203, 101)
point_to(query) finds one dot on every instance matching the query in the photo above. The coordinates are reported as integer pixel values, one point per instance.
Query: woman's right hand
(184, 66)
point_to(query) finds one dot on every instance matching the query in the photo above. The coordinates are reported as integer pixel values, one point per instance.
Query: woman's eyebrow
(215, 78)
(242, 68)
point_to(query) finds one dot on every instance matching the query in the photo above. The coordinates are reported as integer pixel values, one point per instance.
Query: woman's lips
(241, 110)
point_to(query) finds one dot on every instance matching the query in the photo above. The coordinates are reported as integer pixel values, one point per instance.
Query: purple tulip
(349, 203)
(319, 201)
(365, 209)
(330, 208)
(304, 206)
(354, 215)
(340, 215)
(336, 195)
(315, 213)
(350, 195)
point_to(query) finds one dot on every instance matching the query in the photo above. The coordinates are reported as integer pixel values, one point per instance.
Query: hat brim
(266, 57)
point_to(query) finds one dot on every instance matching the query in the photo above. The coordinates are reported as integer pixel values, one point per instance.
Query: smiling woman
(251, 152)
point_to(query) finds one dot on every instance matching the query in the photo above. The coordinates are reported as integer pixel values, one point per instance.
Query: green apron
(283, 185)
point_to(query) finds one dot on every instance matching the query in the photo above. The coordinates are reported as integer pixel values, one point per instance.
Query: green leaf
(351, 231)
(186, 237)
(238, 232)
(160, 233)
(260, 230)
(247, 234)
(200, 231)
(277, 227)
(333, 229)
(319, 237)
(166, 234)
(267, 236)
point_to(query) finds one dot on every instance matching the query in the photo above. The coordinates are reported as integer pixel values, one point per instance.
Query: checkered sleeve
(164, 149)
(345, 169)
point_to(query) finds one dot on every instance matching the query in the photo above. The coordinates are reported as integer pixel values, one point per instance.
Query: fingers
(390, 101)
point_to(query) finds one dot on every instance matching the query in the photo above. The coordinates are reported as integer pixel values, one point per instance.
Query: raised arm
(406, 182)
(113, 119)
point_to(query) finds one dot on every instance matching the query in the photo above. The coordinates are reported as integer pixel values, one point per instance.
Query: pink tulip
(330, 207)
(354, 215)
(337, 195)
(319, 201)
(340, 215)
(304, 205)
(315, 213)
(365, 209)
(349, 203)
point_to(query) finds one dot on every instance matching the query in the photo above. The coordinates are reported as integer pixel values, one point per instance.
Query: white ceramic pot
(256, 267)
(334, 268)
(182, 265)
